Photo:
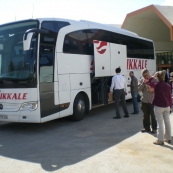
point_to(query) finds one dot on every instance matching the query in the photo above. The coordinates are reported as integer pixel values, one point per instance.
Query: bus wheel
(78, 108)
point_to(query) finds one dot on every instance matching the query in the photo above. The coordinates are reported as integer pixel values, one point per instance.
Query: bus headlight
(29, 106)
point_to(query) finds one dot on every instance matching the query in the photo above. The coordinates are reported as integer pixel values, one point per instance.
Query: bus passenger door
(48, 84)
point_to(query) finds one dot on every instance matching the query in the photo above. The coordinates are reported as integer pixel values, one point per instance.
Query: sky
(102, 11)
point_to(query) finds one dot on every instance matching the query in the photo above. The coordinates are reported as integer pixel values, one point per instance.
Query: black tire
(79, 108)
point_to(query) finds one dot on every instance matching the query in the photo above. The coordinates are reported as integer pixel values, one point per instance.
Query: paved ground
(98, 144)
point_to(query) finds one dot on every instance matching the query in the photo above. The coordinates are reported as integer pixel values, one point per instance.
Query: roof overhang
(155, 17)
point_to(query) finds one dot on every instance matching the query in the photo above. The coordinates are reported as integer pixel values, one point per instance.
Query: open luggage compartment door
(118, 58)
(108, 57)
(101, 58)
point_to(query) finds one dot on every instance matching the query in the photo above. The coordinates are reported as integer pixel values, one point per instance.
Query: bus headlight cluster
(29, 106)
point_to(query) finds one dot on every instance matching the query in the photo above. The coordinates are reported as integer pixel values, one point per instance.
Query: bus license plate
(3, 116)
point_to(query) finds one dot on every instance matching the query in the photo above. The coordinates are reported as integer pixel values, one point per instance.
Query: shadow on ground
(61, 142)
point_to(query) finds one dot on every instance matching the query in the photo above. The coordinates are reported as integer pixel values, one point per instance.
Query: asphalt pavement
(97, 144)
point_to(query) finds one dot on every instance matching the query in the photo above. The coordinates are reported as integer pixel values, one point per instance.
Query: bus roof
(92, 25)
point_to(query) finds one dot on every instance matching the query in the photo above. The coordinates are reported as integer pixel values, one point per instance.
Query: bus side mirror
(28, 36)
(27, 40)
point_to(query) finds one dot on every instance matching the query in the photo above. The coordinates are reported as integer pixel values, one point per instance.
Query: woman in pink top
(162, 102)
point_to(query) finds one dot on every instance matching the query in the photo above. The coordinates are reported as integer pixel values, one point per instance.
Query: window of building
(164, 60)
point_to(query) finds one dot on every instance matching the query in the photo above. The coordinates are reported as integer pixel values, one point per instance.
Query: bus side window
(75, 42)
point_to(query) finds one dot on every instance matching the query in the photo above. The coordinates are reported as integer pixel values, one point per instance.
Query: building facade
(156, 23)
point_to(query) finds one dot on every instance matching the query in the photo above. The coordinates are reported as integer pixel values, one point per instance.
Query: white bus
(52, 68)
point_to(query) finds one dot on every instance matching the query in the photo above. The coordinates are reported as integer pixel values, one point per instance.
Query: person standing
(162, 102)
(120, 90)
(171, 80)
(146, 106)
(134, 92)
(167, 76)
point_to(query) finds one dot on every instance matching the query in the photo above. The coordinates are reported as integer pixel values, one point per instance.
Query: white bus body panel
(151, 66)
(50, 117)
(56, 93)
(80, 81)
(12, 103)
(73, 63)
(64, 88)
(30, 116)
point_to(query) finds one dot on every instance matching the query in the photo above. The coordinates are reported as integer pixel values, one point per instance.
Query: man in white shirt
(120, 90)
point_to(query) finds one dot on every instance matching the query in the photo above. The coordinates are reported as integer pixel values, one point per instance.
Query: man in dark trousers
(120, 90)
(134, 92)
(147, 107)
(167, 76)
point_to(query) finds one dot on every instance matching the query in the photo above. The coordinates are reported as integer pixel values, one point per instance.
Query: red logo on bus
(13, 96)
(92, 65)
(136, 64)
(101, 49)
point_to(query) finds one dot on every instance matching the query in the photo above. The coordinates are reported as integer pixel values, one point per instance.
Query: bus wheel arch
(80, 106)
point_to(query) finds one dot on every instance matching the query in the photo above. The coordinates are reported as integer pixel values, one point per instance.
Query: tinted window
(76, 42)
(46, 63)
(148, 50)
(81, 42)
(136, 48)
(46, 57)
(17, 67)
(48, 39)
(124, 40)
(54, 26)
(97, 34)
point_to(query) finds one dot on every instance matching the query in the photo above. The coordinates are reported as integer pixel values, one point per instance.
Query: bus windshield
(17, 65)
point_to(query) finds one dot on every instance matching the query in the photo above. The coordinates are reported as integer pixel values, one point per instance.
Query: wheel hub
(81, 106)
